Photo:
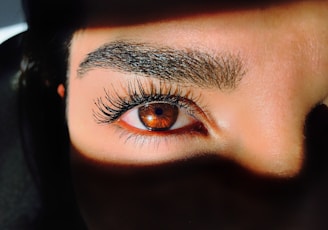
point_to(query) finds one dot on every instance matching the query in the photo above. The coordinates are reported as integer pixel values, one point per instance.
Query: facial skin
(277, 56)
(259, 124)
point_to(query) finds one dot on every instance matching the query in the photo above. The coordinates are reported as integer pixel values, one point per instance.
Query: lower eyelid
(143, 135)
(196, 127)
(135, 147)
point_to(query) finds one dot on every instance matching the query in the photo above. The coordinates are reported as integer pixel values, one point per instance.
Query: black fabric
(19, 198)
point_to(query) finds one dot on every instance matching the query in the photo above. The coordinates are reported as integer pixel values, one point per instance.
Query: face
(234, 86)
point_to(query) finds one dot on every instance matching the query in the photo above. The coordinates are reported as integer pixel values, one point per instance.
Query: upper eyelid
(140, 93)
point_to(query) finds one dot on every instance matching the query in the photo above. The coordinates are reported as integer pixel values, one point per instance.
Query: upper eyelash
(114, 106)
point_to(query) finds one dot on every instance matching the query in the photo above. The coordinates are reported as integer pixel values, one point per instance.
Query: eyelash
(138, 94)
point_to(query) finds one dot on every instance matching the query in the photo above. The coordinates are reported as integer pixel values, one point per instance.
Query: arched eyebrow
(194, 67)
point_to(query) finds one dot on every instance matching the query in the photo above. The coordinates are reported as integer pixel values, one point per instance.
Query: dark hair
(42, 111)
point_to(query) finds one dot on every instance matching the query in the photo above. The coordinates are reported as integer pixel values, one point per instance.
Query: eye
(158, 116)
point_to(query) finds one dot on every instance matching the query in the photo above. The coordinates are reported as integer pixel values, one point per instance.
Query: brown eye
(158, 116)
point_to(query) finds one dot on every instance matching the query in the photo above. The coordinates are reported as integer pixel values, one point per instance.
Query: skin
(258, 125)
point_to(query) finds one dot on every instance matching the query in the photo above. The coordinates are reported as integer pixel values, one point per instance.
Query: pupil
(159, 111)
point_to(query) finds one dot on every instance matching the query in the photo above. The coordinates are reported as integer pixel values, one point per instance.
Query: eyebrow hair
(180, 66)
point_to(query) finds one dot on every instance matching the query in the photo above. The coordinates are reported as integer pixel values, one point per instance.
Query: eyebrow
(222, 71)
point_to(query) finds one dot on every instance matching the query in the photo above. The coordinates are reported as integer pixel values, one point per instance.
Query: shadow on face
(104, 13)
(205, 192)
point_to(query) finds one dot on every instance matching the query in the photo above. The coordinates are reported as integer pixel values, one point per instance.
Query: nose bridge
(269, 147)
(263, 136)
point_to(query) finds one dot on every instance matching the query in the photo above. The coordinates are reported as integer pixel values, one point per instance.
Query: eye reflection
(158, 116)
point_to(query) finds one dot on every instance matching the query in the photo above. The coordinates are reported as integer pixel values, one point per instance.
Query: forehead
(115, 12)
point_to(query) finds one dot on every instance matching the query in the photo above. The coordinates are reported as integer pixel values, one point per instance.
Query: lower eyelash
(139, 139)
(154, 141)
(111, 107)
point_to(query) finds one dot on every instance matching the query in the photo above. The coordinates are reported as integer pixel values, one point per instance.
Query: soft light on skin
(259, 125)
